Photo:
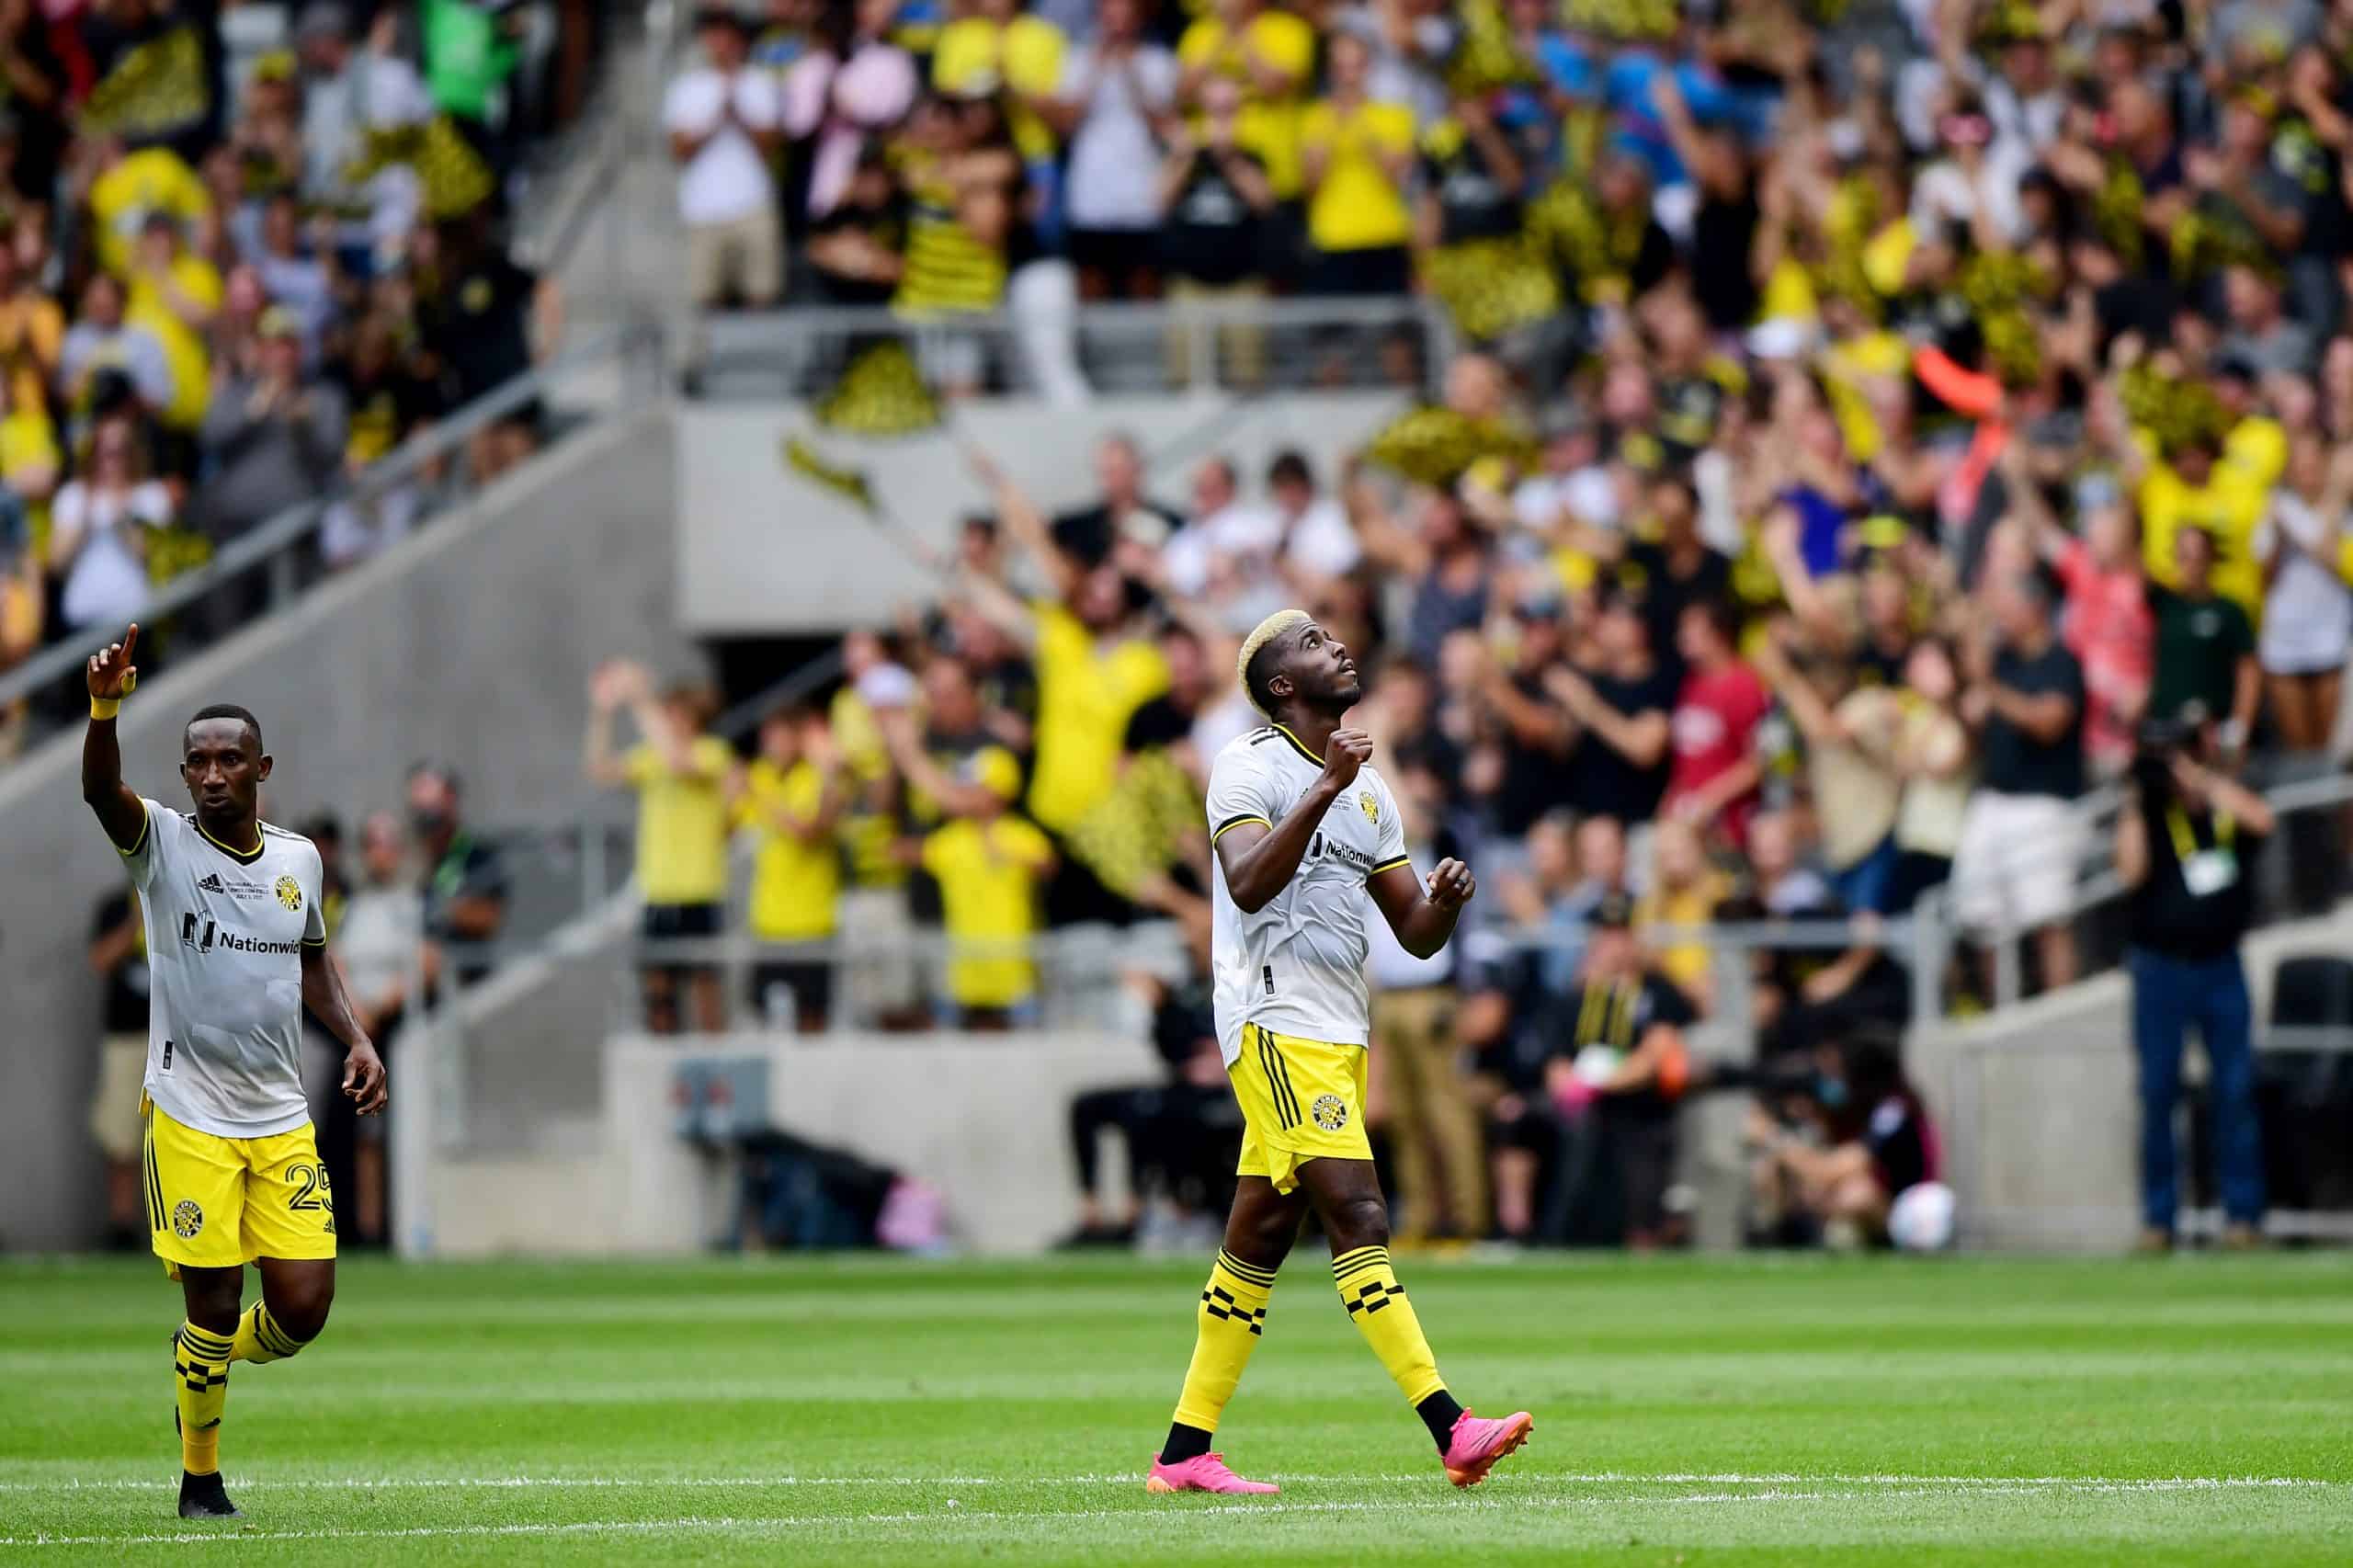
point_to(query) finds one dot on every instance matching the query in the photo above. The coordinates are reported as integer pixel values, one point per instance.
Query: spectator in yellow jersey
(999, 48)
(129, 188)
(793, 800)
(991, 867)
(173, 292)
(1096, 667)
(1269, 54)
(684, 778)
(32, 328)
(1354, 156)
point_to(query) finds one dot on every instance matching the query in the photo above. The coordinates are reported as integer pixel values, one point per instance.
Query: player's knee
(1358, 1220)
(300, 1307)
(213, 1296)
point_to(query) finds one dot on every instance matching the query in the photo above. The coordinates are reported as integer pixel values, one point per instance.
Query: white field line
(1598, 1477)
(763, 1527)
(1588, 1478)
(1774, 1490)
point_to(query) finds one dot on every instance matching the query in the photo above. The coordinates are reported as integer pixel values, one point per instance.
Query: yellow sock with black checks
(201, 1379)
(1231, 1320)
(259, 1338)
(1378, 1306)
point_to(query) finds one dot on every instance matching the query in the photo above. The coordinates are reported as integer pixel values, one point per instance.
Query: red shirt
(2113, 634)
(1715, 731)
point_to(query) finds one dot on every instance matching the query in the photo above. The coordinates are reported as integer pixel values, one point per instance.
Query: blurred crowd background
(1871, 428)
(247, 250)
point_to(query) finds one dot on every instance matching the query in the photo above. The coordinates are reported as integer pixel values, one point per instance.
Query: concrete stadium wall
(2038, 1108)
(978, 1118)
(762, 553)
(463, 644)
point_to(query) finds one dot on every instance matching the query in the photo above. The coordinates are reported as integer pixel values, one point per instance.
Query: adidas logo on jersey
(211, 884)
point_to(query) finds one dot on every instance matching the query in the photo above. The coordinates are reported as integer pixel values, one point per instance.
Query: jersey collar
(1298, 745)
(242, 856)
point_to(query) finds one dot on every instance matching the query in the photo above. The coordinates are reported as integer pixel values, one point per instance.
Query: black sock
(1439, 1412)
(1184, 1443)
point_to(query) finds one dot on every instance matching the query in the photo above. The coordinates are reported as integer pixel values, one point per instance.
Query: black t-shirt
(479, 326)
(1897, 1137)
(1619, 1016)
(2166, 916)
(886, 224)
(1086, 535)
(1535, 781)
(2018, 763)
(1213, 235)
(1472, 203)
(1159, 722)
(470, 868)
(1605, 783)
(1723, 231)
(385, 408)
(1644, 574)
(127, 983)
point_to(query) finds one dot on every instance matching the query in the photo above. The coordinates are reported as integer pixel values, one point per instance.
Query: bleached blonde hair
(1274, 626)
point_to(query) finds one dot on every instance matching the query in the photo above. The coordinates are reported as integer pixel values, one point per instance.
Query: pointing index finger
(129, 641)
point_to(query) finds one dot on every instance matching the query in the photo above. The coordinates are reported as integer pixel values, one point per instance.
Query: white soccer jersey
(1296, 966)
(225, 934)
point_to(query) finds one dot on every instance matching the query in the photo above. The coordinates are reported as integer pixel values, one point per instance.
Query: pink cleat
(1203, 1472)
(1475, 1445)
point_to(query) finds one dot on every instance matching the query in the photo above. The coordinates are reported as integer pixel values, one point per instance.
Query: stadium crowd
(245, 250)
(1876, 425)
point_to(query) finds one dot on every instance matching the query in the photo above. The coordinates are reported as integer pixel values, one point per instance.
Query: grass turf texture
(874, 1412)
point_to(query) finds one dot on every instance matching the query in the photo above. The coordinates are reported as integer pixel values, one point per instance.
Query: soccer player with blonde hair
(1304, 837)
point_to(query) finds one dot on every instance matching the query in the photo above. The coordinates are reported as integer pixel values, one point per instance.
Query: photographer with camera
(2184, 845)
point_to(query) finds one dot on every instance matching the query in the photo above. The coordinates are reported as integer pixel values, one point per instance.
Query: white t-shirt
(107, 581)
(2307, 614)
(1296, 966)
(225, 935)
(1321, 543)
(726, 178)
(1114, 162)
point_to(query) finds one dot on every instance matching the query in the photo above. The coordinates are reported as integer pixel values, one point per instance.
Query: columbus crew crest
(187, 1219)
(1369, 803)
(289, 893)
(1329, 1112)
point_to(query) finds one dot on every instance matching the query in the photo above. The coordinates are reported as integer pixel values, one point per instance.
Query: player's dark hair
(230, 710)
(1261, 670)
(1290, 468)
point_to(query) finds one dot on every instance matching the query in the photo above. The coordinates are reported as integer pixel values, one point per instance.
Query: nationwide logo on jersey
(1369, 803)
(1329, 1112)
(187, 1219)
(289, 893)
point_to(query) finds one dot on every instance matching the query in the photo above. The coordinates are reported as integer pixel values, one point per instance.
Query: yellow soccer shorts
(215, 1202)
(1302, 1100)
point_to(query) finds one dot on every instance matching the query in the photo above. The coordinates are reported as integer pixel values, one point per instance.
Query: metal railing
(283, 548)
(1250, 346)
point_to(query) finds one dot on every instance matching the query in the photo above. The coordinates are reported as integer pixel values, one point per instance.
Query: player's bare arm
(1259, 862)
(111, 676)
(1422, 911)
(325, 995)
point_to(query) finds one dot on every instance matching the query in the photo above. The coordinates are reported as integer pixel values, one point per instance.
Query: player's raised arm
(1422, 912)
(1259, 859)
(111, 677)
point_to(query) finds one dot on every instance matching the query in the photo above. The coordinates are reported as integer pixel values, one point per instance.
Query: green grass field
(871, 1412)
